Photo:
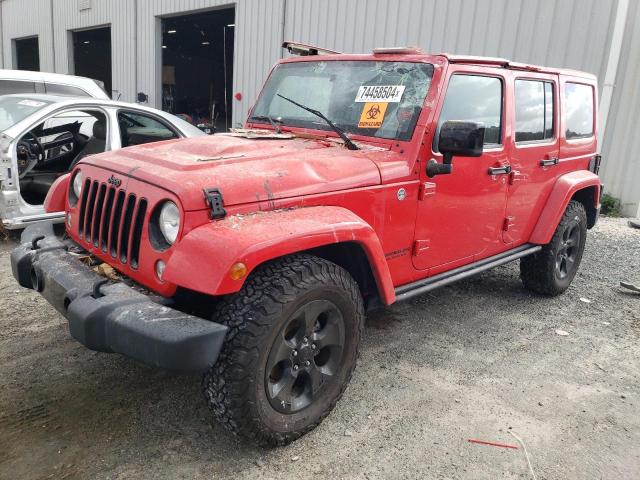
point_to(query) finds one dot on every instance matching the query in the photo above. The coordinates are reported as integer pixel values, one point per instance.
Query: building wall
(27, 18)
(621, 160)
(258, 34)
(117, 14)
(563, 33)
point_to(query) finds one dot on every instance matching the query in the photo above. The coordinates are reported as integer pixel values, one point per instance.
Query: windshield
(376, 99)
(16, 109)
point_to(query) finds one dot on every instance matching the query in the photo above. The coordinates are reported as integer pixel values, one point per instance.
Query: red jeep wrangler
(358, 180)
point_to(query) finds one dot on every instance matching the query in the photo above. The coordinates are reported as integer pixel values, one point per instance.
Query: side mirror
(462, 139)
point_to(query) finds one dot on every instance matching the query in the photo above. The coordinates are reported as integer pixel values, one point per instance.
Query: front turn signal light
(238, 271)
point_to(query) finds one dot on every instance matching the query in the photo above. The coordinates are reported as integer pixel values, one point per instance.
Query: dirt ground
(475, 360)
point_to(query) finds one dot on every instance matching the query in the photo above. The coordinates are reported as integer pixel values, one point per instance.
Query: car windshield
(376, 99)
(16, 109)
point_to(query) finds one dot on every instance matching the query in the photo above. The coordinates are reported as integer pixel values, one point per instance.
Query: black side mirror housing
(457, 138)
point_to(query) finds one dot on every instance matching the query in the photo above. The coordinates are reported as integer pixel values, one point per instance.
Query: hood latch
(213, 199)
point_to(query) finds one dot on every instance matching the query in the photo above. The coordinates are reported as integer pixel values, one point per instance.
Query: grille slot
(126, 227)
(97, 214)
(136, 235)
(89, 214)
(106, 219)
(83, 206)
(112, 221)
(115, 225)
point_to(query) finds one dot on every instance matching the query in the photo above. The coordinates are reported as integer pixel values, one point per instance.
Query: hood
(245, 170)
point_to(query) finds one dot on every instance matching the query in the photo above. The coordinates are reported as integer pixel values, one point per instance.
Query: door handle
(549, 162)
(503, 170)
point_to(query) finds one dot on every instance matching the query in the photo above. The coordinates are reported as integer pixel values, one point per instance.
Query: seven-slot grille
(112, 220)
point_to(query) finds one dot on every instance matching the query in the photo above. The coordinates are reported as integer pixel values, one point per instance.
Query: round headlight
(169, 222)
(77, 184)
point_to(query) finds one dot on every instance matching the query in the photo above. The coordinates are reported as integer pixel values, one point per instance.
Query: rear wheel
(551, 270)
(294, 332)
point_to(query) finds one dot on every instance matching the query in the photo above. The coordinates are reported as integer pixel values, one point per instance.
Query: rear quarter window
(578, 99)
(58, 89)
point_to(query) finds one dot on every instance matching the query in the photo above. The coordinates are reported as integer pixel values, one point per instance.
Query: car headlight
(169, 222)
(77, 184)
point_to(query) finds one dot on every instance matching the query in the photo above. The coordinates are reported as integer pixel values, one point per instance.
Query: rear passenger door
(534, 152)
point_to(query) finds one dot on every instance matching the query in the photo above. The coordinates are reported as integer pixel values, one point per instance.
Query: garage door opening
(27, 54)
(92, 55)
(197, 66)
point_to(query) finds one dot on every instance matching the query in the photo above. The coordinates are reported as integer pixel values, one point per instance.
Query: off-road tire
(539, 272)
(234, 387)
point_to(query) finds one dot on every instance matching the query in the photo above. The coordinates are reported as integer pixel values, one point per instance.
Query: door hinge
(420, 247)
(508, 223)
(427, 189)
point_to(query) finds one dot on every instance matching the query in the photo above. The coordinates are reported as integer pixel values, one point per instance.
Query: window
(137, 128)
(375, 99)
(474, 98)
(16, 109)
(57, 89)
(578, 100)
(8, 87)
(534, 111)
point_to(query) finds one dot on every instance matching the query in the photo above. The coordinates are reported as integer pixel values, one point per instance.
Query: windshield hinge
(213, 199)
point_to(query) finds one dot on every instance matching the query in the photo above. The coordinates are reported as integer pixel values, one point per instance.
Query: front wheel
(294, 332)
(551, 270)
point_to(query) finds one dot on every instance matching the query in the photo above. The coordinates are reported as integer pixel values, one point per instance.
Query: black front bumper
(112, 317)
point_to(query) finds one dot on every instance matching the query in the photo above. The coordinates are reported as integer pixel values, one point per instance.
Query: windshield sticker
(379, 93)
(31, 103)
(372, 115)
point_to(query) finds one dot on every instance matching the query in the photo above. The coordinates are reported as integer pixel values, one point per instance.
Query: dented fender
(564, 189)
(55, 199)
(203, 257)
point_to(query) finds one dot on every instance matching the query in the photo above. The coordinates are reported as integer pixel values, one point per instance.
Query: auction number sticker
(372, 115)
(379, 93)
(31, 103)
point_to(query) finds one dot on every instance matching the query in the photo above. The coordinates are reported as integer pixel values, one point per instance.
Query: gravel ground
(476, 360)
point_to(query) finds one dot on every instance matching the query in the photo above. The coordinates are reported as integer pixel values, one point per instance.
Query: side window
(57, 89)
(578, 101)
(474, 98)
(8, 87)
(534, 110)
(137, 128)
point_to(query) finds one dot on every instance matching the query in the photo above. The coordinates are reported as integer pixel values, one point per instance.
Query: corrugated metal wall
(27, 18)
(117, 14)
(564, 33)
(621, 172)
(257, 44)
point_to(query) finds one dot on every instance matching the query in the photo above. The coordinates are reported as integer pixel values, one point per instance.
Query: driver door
(52, 147)
(460, 215)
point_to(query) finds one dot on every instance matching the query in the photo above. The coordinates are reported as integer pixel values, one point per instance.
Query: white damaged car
(43, 136)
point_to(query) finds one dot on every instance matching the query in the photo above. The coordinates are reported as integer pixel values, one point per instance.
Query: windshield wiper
(347, 141)
(271, 121)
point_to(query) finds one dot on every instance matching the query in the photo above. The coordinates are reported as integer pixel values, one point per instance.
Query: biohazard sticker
(380, 93)
(372, 115)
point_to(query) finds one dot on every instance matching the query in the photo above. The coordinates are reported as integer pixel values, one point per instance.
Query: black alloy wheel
(567, 251)
(305, 356)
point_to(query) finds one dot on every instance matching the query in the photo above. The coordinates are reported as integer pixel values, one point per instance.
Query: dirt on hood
(246, 170)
